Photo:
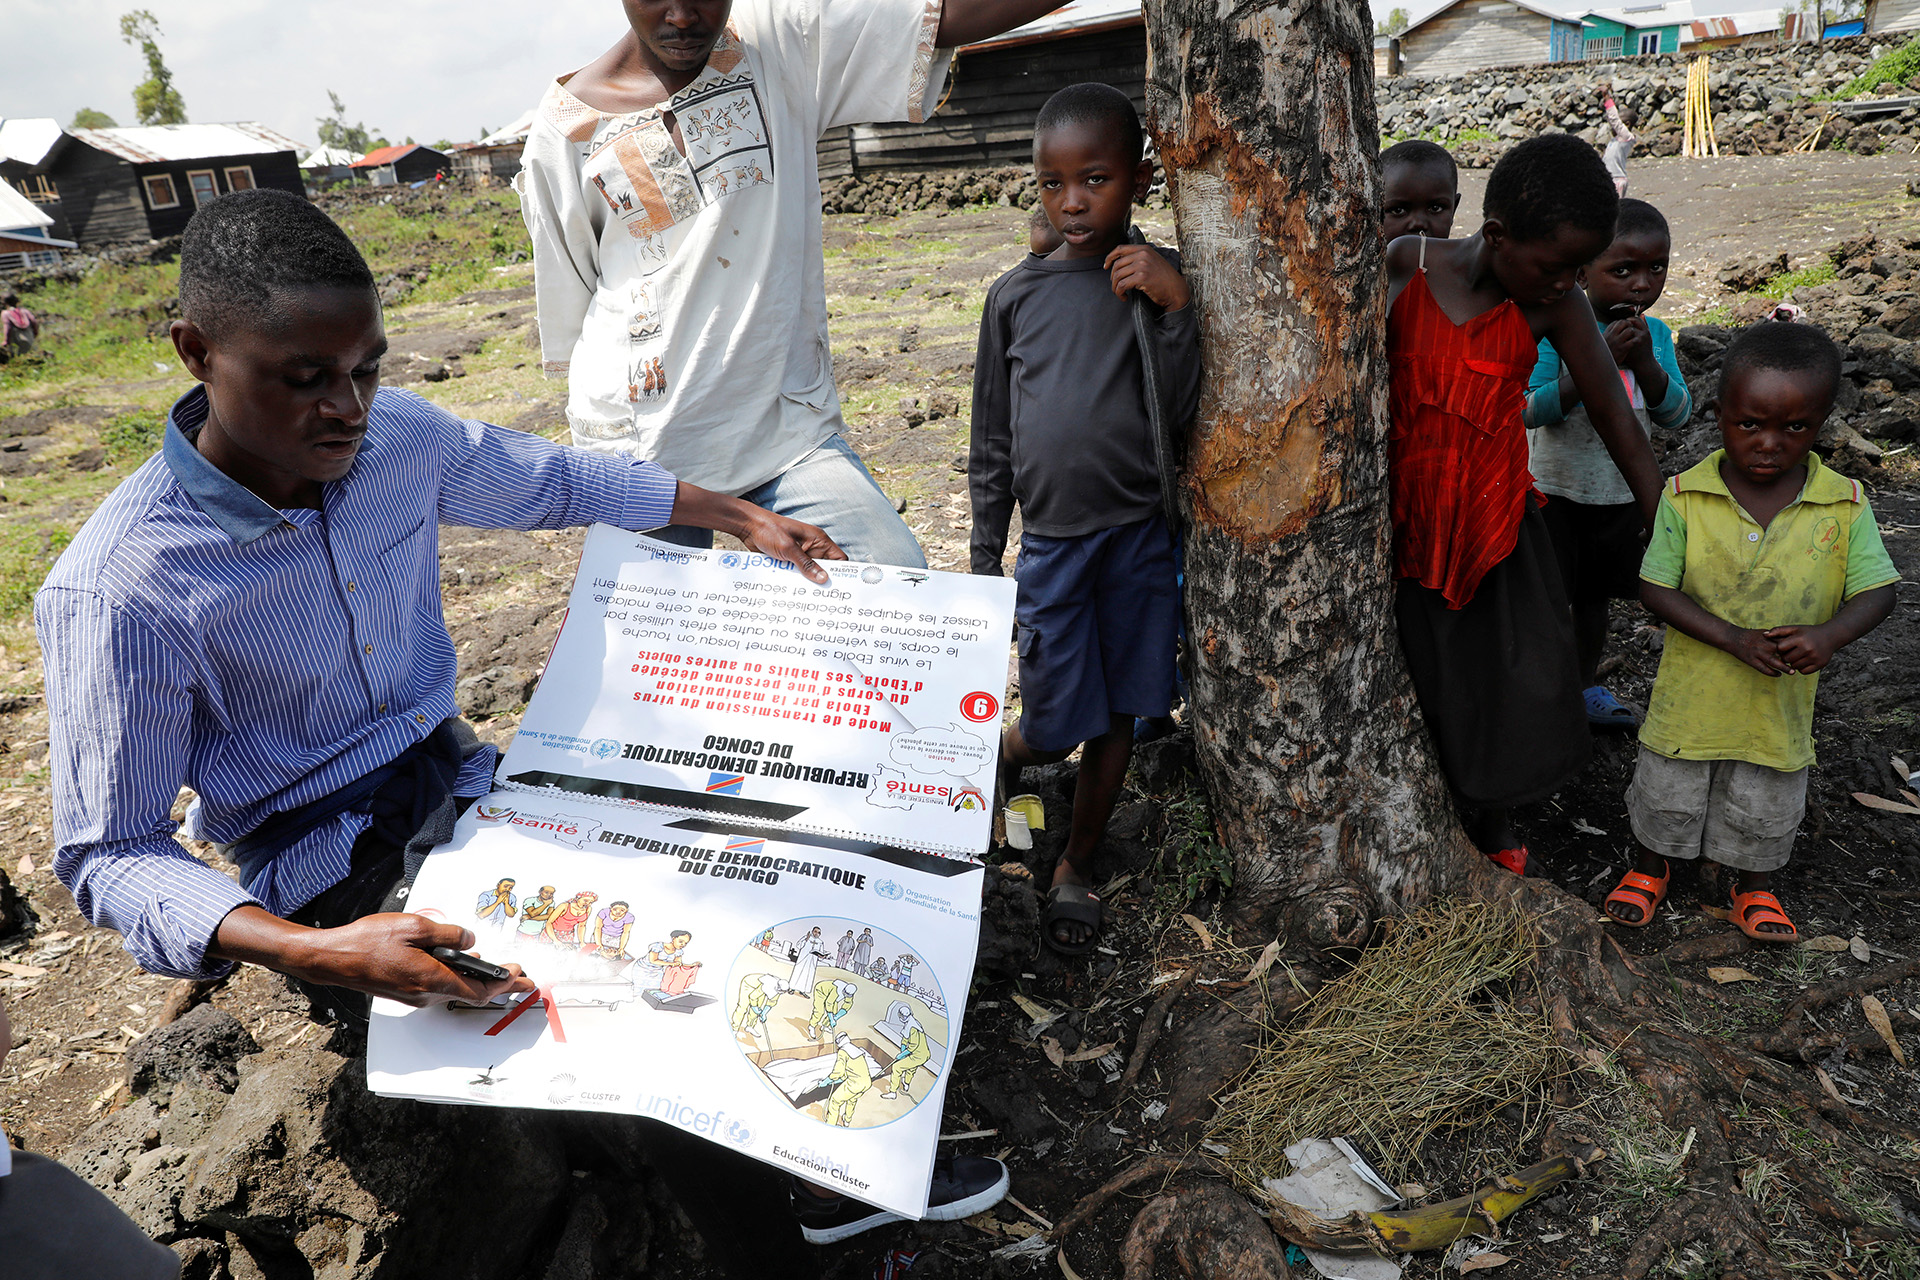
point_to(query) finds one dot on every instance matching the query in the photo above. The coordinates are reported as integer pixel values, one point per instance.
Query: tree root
(1790, 1041)
(1153, 1026)
(1156, 1166)
(1728, 1221)
(1213, 1233)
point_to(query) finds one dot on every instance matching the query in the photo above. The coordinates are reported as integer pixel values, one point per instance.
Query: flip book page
(799, 1002)
(724, 683)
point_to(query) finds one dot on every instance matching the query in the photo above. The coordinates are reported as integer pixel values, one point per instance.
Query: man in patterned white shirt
(673, 196)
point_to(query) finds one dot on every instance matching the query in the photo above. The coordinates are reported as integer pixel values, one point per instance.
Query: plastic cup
(1019, 836)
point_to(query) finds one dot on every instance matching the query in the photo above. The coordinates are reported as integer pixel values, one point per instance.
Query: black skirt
(1499, 681)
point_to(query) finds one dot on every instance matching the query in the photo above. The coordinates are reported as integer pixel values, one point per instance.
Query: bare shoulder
(1568, 314)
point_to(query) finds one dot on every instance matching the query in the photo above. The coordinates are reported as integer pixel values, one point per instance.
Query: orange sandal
(1514, 860)
(1757, 907)
(1638, 889)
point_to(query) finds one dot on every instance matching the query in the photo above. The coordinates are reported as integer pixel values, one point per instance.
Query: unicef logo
(738, 1134)
(604, 748)
(871, 574)
(560, 1089)
(731, 560)
(889, 890)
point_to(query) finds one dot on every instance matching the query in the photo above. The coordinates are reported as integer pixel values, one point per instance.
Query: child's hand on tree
(1758, 650)
(1805, 649)
(1139, 266)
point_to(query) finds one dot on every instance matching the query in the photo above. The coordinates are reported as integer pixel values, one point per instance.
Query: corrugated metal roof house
(1893, 15)
(996, 87)
(116, 186)
(1468, 35)
(408, 162)
(26, 238)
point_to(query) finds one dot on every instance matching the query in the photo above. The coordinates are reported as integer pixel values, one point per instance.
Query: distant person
(1042, 237)
(1764, 564)
(1061, 426)
(54, 1225)
(19, 327)
(1591, 514)
(672, 193)
(1419, 190)
(1482, 612)
(1620, 122)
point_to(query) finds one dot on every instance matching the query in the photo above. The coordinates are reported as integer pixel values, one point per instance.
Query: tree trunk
(1309, 737)
(1306, 717)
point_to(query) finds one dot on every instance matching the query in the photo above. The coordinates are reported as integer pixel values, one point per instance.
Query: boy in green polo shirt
(1763, 564)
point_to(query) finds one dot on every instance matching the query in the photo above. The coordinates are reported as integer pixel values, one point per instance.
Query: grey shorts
(1734, 813)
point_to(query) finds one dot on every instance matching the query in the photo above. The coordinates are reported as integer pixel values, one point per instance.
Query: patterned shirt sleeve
(119, 702)
(1868, 564)
(1665, 563)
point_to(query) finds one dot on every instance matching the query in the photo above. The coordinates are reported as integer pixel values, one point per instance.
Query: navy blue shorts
(1098, 619)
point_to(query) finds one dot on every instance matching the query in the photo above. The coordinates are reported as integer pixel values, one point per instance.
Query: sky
(429, 69)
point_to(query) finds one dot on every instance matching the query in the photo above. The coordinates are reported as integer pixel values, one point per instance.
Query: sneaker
(965, 1185)
(962, 1186)
(829, 1221)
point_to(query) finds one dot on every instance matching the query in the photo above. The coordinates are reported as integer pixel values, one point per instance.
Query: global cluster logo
(560, 1089)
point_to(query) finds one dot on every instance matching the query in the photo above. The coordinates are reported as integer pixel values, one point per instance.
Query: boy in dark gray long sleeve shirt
(1060, 424)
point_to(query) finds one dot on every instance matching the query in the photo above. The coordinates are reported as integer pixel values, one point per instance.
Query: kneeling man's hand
(382, 955)
(778, 536)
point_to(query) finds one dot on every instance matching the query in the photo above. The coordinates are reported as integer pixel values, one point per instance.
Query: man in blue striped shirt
(255, 613)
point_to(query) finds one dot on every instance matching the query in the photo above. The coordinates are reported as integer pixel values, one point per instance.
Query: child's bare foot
(1072, 914)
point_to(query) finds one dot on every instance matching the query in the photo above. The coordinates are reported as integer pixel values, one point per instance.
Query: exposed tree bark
(1308, 734)
(1265, 121)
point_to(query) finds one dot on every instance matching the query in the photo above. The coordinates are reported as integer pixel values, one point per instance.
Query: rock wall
(1871, 307)
(1766, 100)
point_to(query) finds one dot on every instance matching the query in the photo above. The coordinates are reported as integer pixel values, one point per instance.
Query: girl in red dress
(1483, 616)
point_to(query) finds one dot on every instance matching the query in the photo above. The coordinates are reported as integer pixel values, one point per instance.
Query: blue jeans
(829, 488)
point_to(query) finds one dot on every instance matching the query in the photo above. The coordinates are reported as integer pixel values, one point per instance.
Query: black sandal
(1071, 904)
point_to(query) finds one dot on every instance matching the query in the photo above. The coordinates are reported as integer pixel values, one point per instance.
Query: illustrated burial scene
(585, 951)
(840, 1018)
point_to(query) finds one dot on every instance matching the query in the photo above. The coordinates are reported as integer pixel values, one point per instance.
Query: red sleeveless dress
(1482, 616)
(1456, 449)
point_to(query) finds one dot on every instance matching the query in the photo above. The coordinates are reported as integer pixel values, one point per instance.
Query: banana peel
(1434, 1226)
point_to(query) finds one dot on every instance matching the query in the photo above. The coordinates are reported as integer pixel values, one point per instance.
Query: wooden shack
(407, 163)
(121, 186)
(1892, 15)
(1469, 35)
(995, 88)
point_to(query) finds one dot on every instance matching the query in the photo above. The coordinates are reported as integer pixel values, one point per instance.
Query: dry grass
(1422, 1035)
